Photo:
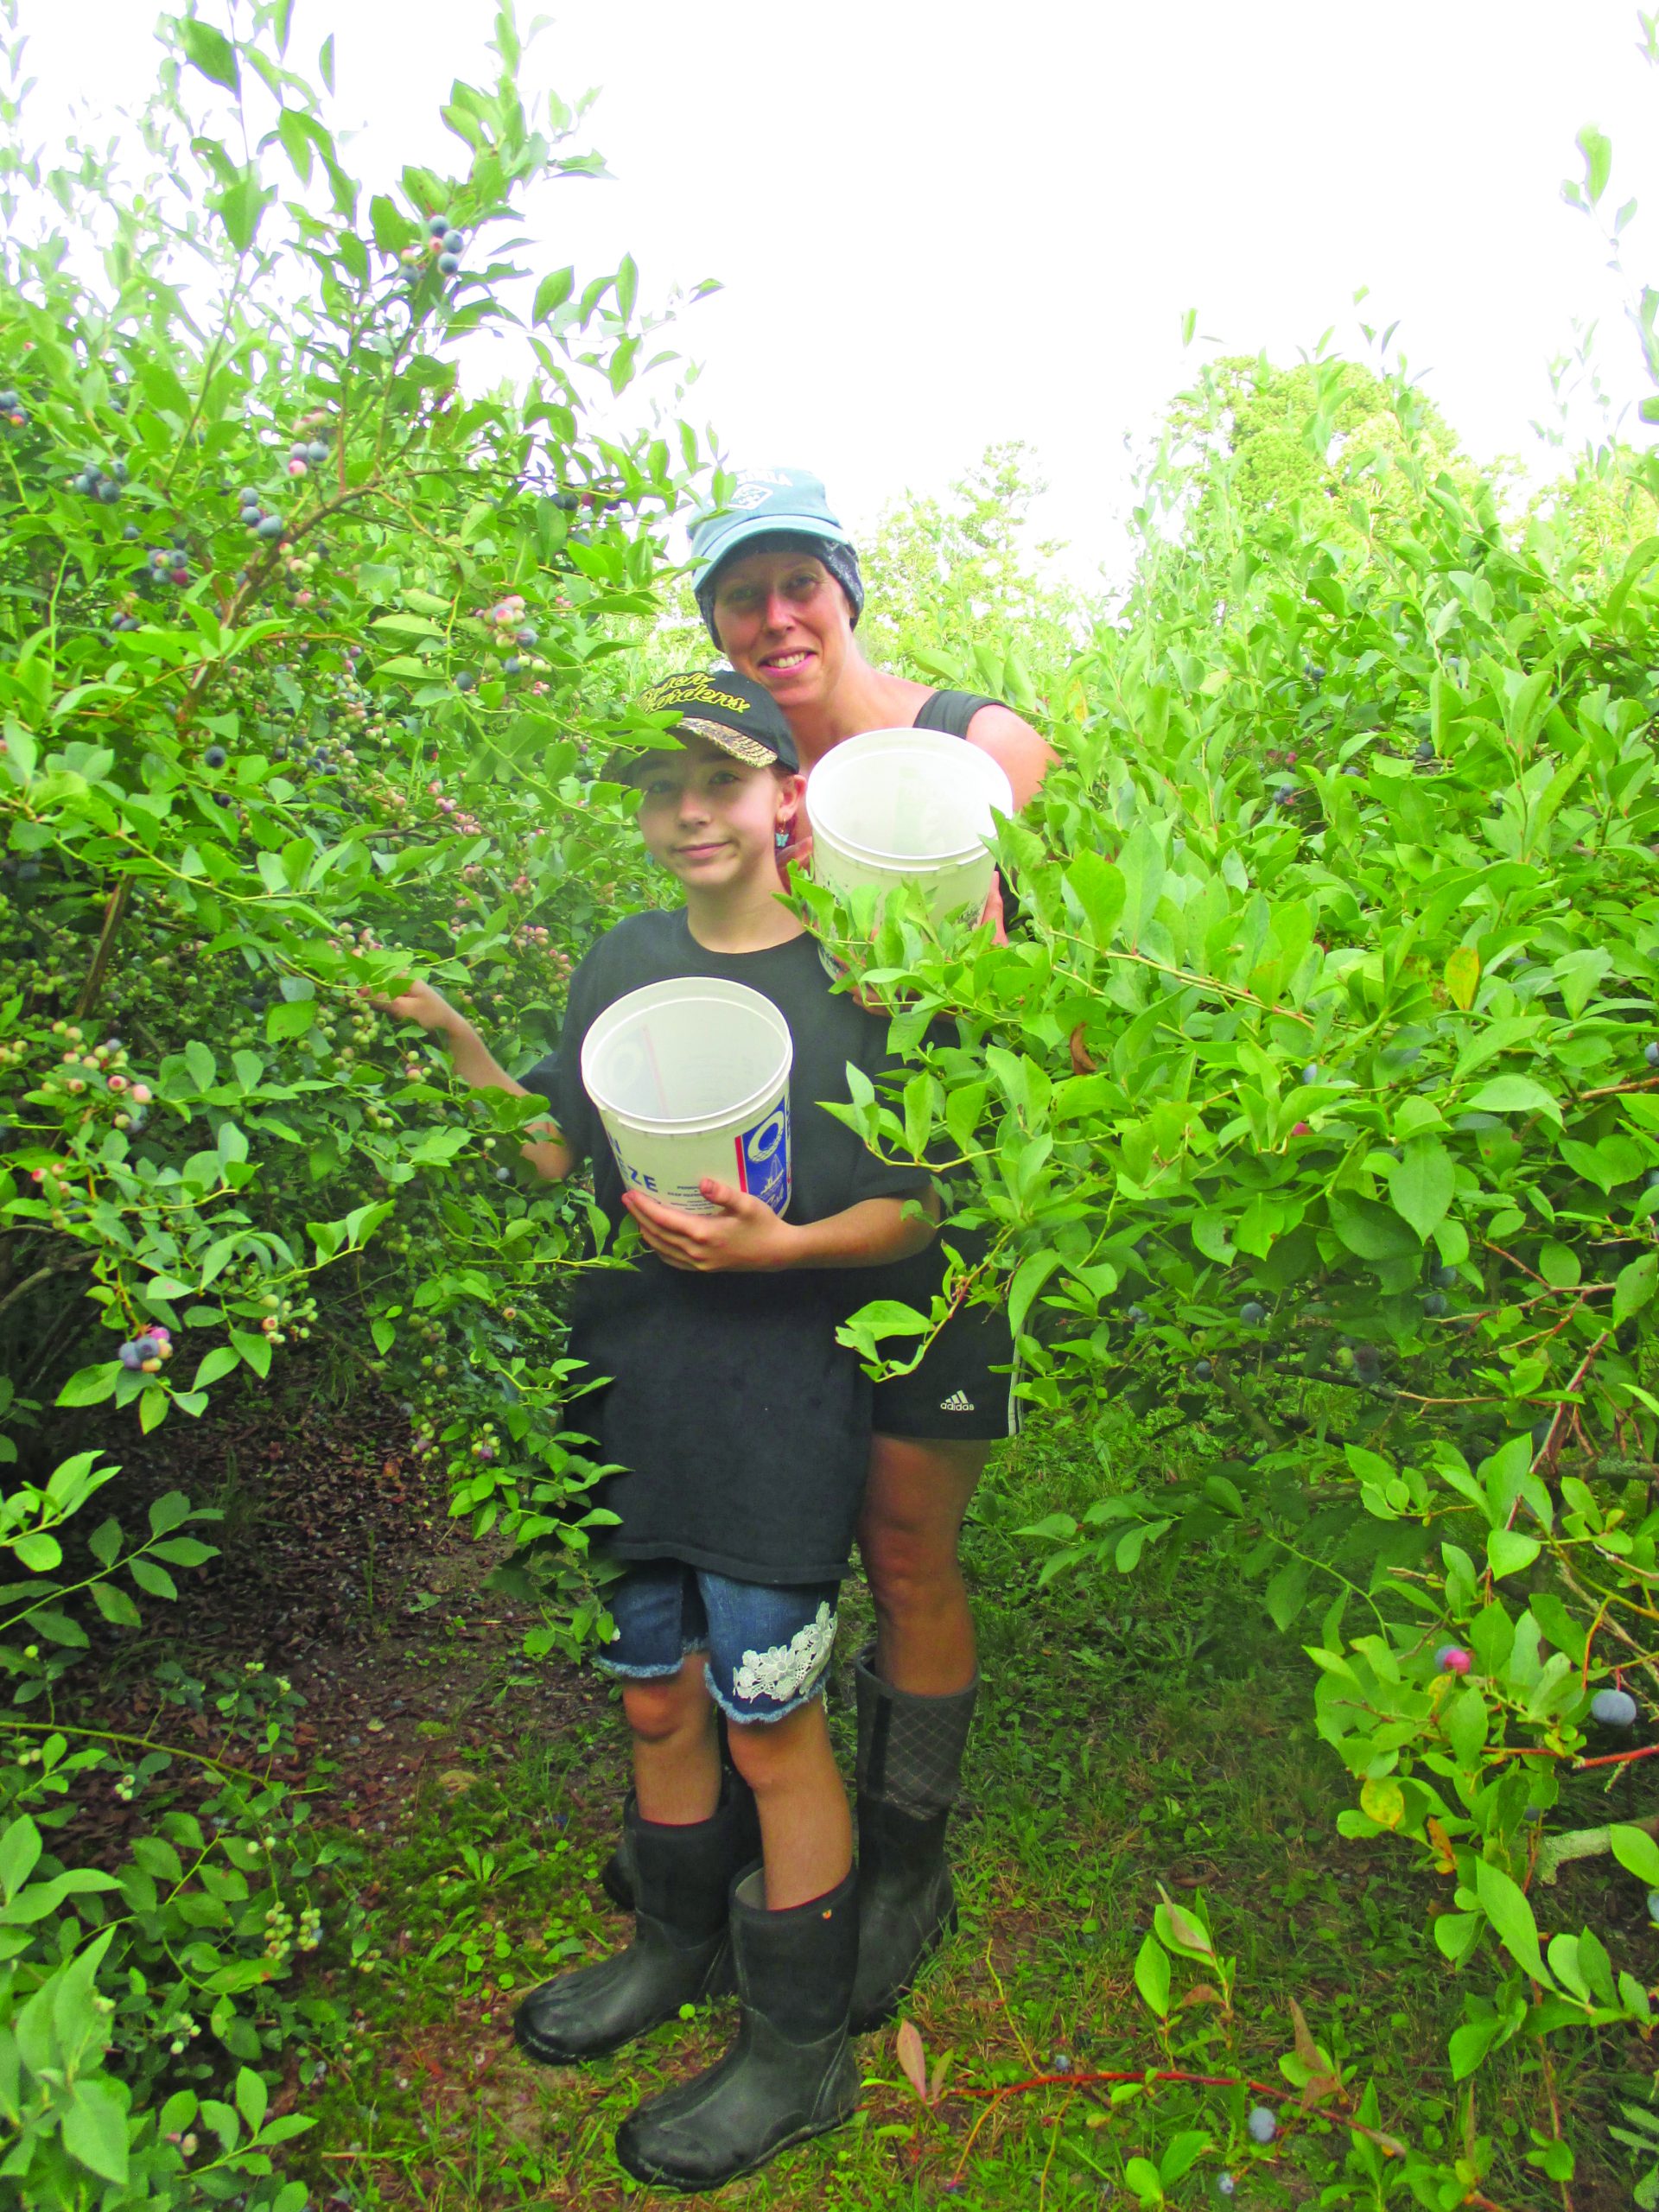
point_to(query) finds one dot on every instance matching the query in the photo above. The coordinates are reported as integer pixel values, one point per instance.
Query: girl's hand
(420, 1002)
(744, 1237)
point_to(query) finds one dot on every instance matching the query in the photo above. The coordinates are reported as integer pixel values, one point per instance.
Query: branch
(1554, 1851)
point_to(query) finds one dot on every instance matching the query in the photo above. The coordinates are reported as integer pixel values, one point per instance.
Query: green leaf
(1598, 153)
(217, 1363)
(1508, 1551)
(1421, 1185)
(149, 1577)
(1637, 1852)
(168, 1512)
(1635, 1287)
(211, 53)
(94, 2128)
(251, 2097)
(1033, 1272)
(1151, 1976)
(1506, 1907)
(1100, 891)
(1462, 976)
(1514, 1094)
(90, 1386)
(20, 1848)
(287, 1020)
(116, 1606)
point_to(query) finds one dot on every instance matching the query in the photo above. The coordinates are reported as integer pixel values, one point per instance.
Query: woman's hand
(420, 1002)
(744, 1237)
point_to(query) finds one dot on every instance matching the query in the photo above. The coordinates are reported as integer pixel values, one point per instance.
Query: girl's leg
(682, 1833)
(806, 1831)
(675, 1752)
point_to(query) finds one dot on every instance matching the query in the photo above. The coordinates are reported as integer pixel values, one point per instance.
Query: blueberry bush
(1312, 1106)
(1313, 1113)
(305, 643)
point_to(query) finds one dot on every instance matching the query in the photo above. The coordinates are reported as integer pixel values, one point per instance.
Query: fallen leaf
(912, 2057)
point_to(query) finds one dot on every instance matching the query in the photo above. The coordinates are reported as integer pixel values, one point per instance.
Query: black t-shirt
(743, 1425)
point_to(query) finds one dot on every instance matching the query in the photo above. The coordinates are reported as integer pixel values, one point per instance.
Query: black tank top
(950, 712)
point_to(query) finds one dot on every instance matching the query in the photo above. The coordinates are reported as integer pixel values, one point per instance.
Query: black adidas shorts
(964, 1387)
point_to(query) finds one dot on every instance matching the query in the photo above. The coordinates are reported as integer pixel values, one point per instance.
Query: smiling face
(783, 621)
(711, 820)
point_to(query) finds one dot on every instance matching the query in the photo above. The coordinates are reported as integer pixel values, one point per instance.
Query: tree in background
(958, 587)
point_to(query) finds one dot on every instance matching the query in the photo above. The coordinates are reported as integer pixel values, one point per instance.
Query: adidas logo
(957, 1402)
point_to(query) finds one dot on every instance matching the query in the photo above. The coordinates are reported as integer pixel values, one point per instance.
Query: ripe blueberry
(131, 1356)
(1310, 1072)
(214, 757)
(271, 527)
(448, 263)
(438, 225)
(1613, 1708)
(453, 242)
(1651, 1052)
(1204, 1370)
(1136, 1315)
(1252, 1314)
(1435, 1304)
(1261, 2126)
(466, 681)
(1426, 750)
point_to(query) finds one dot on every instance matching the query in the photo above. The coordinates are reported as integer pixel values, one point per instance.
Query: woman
(777, 584)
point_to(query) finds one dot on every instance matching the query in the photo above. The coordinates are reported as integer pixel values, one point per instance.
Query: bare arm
(746, 1236)
(1016, 748)
(475, 1063)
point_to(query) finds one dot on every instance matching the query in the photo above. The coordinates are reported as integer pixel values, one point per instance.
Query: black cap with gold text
(733, 713)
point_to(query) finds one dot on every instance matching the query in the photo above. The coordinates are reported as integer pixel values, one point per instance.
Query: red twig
(1617, 1758)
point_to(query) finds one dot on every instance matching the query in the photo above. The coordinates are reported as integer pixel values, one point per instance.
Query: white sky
(942, 222)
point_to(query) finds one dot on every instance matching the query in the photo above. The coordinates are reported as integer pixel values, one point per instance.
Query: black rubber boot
(679, 1954)
(791, 2073)
(910, 1753)
(616, 1875)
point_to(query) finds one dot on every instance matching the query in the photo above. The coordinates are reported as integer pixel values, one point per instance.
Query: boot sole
(881, 2015)
(655, 2177)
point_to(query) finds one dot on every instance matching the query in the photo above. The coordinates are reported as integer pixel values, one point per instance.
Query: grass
(1133, 1734)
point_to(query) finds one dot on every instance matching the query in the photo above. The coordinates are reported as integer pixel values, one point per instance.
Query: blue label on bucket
(763, 1159)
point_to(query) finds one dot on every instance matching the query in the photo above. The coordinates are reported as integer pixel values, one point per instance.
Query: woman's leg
(916, 1689)
(675, 1754)
(908, 1533)
(806, 1831)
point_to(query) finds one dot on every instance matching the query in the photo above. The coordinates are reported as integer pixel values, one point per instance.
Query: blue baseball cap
(763, 502)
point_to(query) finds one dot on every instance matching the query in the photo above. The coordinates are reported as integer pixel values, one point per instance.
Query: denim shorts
(768, 1646)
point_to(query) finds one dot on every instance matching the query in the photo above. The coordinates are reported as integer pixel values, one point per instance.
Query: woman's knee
(659, 1706)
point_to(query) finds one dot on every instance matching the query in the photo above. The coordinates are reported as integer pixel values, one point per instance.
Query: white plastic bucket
(691, 1079)
(908, 806)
